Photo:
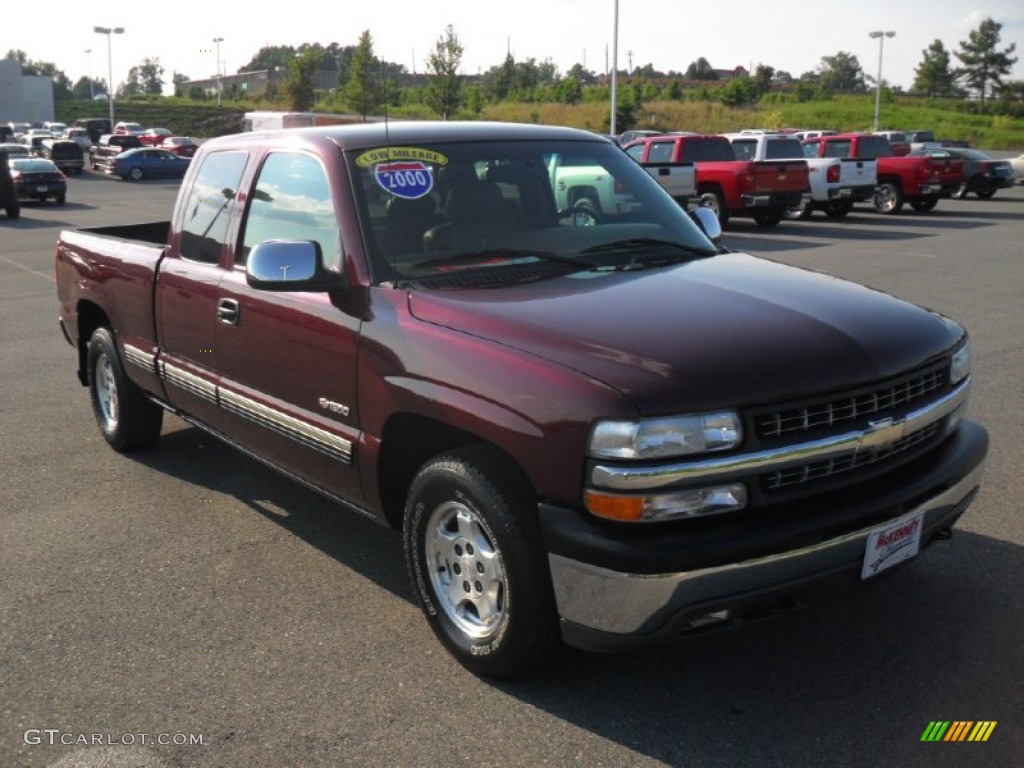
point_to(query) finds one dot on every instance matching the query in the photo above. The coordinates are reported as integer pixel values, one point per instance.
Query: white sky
(666, 33)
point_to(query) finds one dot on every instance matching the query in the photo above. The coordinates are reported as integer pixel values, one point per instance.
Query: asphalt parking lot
(187, 607)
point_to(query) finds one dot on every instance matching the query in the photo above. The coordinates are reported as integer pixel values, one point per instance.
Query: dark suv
(96, 126)
(8, 194)
(66, 155)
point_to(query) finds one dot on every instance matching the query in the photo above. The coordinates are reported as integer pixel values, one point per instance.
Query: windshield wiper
(634, 244)
(500, 255)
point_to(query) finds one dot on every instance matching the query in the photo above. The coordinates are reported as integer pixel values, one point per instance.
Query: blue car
(145, 163)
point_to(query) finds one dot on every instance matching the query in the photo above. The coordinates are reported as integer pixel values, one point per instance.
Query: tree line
(365, 84)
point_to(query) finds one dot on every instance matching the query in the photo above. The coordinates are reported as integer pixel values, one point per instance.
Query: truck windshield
(431, 209)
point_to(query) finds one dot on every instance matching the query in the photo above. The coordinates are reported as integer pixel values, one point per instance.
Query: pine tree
(984, 65)
(364, 91)
(933, 77)
(444, 91)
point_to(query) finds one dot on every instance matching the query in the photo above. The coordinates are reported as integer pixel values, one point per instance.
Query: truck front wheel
(126, 418)
(478, 567)
(888, 198)
(713, 200)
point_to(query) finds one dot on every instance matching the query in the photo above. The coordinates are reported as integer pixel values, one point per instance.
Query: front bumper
(605, 603)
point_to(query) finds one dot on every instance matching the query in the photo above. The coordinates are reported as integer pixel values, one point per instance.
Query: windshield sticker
(409, 179)
(384, 154)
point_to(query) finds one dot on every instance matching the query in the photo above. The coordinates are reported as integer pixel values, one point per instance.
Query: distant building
(24, 98)
(728, 74)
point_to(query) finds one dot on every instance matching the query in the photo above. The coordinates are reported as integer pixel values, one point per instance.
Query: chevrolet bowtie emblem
(881, 433)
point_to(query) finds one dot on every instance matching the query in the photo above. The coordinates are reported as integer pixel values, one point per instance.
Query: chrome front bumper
(603, 609)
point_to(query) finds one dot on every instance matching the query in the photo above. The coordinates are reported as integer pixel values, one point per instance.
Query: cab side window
(209, 206)
(292, 201)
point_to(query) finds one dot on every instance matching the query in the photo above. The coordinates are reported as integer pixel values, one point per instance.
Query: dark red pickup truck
(920, 181)
(596, 428)
(764, 190)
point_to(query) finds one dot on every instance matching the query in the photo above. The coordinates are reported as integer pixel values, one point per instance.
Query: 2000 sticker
(410, 179)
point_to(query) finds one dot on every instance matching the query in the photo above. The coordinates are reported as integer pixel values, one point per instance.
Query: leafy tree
(674, 90)
(364, 91)
(179, 79)
(582, 75)
(569, 90)
(82, 89)
(738, 92)
(444, 88)
(146, 77)
(933, 77)
(299, 81)
(983, 64)
(701, 69)
(763, 78)
(842, 73)
(269, 57)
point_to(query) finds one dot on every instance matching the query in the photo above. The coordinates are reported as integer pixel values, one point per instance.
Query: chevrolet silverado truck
(763, 190)
(920, 181)
(594, 189)
(836, 182)
(606, 435)
(102, 154)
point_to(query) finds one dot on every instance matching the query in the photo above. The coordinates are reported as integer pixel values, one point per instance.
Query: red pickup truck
(600, 428)
(764, 190)
(920, 181)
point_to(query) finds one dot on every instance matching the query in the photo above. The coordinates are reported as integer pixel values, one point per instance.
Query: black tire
(713, 200)
(986, 192)
(468, 513)
(127, 420)
(800, 212)
(924, 204)
(60, 199)
(888, 198)
(769, 219)
(582, 214)
(837, 209)
(136, 173)
(13, 210)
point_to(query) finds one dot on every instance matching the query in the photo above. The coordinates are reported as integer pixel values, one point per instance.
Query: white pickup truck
(593, 188)
(835, 186)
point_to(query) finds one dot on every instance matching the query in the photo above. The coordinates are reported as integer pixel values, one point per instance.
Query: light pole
(108, 31)
(92, 92)
(878, 83)
(615, 67)
(218, 41)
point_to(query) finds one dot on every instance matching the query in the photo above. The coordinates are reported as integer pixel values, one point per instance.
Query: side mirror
(708, 222)
(289, 265)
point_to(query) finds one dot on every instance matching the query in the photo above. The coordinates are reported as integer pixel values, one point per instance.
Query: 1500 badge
(333, 407)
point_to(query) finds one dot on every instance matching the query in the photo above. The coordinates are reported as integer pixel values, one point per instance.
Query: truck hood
(728, 331)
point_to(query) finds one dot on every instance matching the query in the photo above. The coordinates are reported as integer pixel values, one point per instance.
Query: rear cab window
(209, 205)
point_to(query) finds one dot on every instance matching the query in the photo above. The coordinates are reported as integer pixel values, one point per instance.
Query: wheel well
(584, 193)
(710, 187)
(407, 443)
(890, 180)
(90, 317)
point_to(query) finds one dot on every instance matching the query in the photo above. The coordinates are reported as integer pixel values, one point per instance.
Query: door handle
(228, 311)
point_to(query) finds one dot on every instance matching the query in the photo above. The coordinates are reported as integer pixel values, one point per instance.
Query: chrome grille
(825, 413)
(818, 470)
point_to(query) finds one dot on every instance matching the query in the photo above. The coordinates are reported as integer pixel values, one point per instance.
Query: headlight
(657, 438)
(960, 366)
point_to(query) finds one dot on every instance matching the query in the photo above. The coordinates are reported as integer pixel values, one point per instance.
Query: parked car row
(751, 173)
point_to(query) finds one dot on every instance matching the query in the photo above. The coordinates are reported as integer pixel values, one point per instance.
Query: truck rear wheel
(126, 418)
(769, 218)
(478, 567)
(888, 198)
(924, 204)
(837, 209)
